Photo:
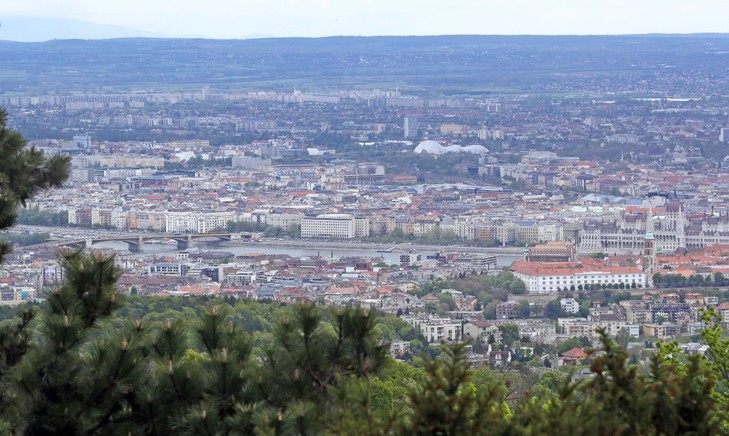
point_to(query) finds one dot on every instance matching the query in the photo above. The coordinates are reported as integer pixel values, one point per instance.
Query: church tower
(649, 249)
(676, 215)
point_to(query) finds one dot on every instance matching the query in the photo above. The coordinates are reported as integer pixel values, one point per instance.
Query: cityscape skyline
(321, 235)
(291, 18)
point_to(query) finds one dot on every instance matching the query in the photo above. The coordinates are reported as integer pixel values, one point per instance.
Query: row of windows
(579, 279)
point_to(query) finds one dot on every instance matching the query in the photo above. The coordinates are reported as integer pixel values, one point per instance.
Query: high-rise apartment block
(410, 127)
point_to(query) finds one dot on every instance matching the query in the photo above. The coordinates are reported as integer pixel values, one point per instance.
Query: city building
(552, 277)
(569, 305)
(410, 127)
(328, 226)
(553, 251)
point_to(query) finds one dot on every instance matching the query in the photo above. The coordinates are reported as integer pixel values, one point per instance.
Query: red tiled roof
(575, 353)
(569, 268)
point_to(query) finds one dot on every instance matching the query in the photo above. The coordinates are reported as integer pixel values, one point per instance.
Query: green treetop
(24, 172)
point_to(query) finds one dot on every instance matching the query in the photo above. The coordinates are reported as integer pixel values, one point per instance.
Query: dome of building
(430, 147)
(475, 149)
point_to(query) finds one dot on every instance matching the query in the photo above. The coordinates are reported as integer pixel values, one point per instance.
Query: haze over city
(45, 19)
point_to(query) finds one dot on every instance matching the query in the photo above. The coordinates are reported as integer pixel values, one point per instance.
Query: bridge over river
(135, 242)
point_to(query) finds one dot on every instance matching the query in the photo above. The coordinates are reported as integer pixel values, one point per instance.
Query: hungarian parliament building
(675, 231)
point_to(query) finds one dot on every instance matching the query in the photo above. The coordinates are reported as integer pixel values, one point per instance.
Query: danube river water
(315, 249)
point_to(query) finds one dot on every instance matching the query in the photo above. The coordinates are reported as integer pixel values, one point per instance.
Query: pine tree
(308, 359)
(23, 173)
(85, 375)
(620, 399)
(447, 404)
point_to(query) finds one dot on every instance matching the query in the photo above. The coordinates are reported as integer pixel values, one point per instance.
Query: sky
(312, 18)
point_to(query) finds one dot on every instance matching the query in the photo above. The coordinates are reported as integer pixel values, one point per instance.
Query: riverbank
(400, 248)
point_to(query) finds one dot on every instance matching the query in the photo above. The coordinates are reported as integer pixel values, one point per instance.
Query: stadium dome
(475, 149)
(432, 147)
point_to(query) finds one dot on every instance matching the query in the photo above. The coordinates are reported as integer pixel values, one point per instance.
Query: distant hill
(447, 64)
(38, 29)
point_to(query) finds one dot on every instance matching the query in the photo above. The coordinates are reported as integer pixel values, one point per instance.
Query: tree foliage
(25, 240)
(35, 217)
(617, 399)
(681, 281)
(84, 375)
(509, 333)
(24, 172)
(88, 371)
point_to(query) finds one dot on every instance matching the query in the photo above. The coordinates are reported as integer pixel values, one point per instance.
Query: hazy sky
(240, 18)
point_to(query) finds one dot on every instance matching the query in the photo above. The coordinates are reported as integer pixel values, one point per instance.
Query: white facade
(612, 326)
(724, 134)
(442, 330)
(186, 222)
(556, 279)
(481, 329)
(250, 162)
(436, 330)
(119, 219)
(361, 227)
(463, 228)
(410, 127)
(175, 269)
(334, 226)
(569, 305)
(549, 232)
(671, 230)
(398, 348)
(283, 220)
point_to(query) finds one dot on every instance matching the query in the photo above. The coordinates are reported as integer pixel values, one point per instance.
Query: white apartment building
(436, 330)
(250, 162)
(463, 228)
(551, 277)
(333, 226)
(119, 219)
(612, 324)
(485, 330)
(196, 222)
(623, 138)
(361, 227)
(569, 305)
(549, 232)
(175, 269)
(243, 277)
(506, 233)
(576, 328)
(115, 161)
(398, 348)
(100, 217)
(155, 221)
(283, 220)
(724, 134)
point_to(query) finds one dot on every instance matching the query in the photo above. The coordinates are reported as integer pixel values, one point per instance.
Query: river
(389, 255)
